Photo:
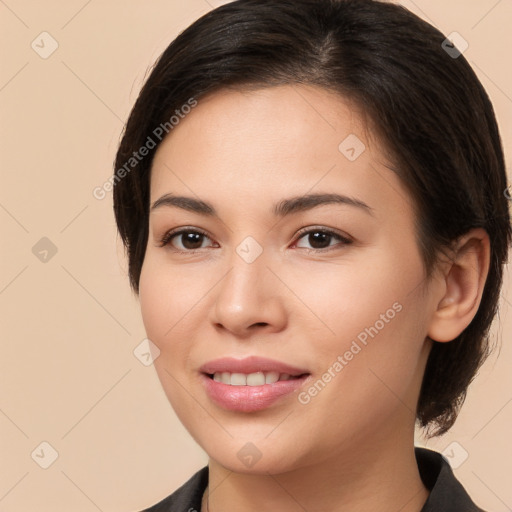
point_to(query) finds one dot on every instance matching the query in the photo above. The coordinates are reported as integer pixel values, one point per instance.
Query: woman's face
(298, 247)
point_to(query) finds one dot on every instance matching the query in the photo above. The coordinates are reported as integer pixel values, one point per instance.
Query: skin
(351, 447)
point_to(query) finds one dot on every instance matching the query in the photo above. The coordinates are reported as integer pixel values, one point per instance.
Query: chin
(261, 457)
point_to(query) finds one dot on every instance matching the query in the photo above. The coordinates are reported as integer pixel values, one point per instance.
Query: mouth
(250, 384)
(252, 379)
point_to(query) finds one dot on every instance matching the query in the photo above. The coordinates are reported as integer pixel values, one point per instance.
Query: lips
(250, 384)
(248, 365)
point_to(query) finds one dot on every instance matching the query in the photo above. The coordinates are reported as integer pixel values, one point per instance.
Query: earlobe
(464, 280)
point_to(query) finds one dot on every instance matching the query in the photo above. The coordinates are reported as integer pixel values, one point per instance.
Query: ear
(464, 277)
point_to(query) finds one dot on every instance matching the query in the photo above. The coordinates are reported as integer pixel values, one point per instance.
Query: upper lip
(250, 364)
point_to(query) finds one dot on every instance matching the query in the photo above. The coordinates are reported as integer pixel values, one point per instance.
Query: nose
(249, 299)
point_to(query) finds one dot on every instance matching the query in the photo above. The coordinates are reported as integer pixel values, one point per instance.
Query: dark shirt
(446, 492)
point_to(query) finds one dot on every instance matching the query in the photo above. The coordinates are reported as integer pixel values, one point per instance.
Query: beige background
(70, 324)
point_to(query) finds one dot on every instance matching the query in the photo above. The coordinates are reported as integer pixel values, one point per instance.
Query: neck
(383, 476)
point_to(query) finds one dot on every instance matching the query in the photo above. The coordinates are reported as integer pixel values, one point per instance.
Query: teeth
(251, 379)
(238, 379)
(271, 377)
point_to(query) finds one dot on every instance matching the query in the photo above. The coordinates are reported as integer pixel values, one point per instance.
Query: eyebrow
(281, 209)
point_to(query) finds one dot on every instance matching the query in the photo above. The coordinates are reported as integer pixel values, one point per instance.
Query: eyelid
(324, 229)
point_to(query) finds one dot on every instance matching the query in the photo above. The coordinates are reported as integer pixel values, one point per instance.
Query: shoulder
(185, 499)
(446, 493)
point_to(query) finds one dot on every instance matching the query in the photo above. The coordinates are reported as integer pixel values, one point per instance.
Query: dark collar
(446, 492)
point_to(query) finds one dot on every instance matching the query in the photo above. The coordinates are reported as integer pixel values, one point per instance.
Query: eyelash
(167, 237)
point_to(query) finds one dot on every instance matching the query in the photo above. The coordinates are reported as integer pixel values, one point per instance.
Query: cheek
(376, 357)
(377, 318)
(166, 297)
(349, 298)
(155, 303)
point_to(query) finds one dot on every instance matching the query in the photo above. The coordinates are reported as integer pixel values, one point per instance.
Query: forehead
(244, 146)
(274, 124)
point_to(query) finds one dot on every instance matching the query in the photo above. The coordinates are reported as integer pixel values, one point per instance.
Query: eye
(185, 240)
(321, 238)
(191, 240)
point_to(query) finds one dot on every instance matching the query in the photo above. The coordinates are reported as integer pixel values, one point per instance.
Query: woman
(311, 195)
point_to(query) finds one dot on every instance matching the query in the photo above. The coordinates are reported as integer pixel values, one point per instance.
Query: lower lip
(249, 398)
